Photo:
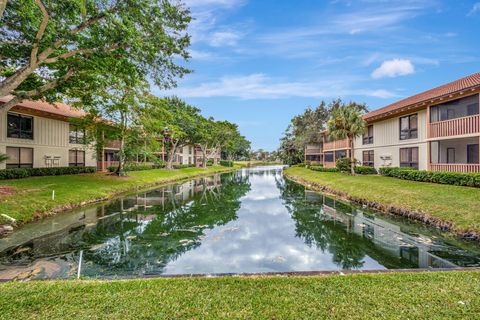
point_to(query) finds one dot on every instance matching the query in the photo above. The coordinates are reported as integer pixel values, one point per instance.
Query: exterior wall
(387, 143)
(185, 155)
(50, 138)
(439, 152)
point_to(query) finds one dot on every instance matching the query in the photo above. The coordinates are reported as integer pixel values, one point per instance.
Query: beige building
(436, 130)
(39, 134)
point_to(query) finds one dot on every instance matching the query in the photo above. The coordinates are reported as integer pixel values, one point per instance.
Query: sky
(258, 63)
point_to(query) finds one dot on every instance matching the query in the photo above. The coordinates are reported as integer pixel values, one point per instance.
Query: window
(19, 157)
(368, 158)
(20, 127)
(409, 127)
(76, 135)
(312, 157)
(409, 157)
(368, 135)
(340, 154)
(464, 107)
(472, 109)
(328, 156)
(450, 155)
(76, 158)
(472, 153)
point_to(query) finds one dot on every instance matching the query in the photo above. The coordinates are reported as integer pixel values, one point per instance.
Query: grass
(459, 205)
(256, 163)
(439, 295)
(32, 197)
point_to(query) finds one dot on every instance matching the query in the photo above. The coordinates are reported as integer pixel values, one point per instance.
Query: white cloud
(260, 86)
(394, 68)
(475, 9)
(224, 38)
(201, 55)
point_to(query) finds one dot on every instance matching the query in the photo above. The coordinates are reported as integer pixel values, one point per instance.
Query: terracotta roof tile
(52, 108)
(472, 81)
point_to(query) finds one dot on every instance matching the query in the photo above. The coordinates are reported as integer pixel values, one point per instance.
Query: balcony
(455, 127)
(337, 144)
(313, 149)
(112, 144)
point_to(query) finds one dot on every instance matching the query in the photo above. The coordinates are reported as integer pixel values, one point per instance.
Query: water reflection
(248, 221)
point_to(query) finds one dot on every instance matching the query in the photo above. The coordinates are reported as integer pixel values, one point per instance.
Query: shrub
(344, 164)
(183, 166)
(442, 177)
(138, 167)
(19, 173)
(209, 163)
(365, 170)
(226, 163)
(323, 169)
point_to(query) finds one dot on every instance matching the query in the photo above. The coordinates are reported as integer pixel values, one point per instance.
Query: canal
(251, 220)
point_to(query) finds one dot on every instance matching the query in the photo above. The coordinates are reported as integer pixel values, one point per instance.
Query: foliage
(3, 157)
(138, 167)
(365, 170)
(323, 169)
(183, 166)
(19, 173)
(443, 177)
(346, 122)
(344, 164)
(226, 163)
(57, 48)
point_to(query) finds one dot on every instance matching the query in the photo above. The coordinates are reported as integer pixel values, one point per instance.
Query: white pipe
(80, 264)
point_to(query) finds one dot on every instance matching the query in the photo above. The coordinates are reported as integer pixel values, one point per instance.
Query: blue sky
(259, 62)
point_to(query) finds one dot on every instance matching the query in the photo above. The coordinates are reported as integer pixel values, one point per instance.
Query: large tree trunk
(3, 4)
(171, 155)
(352, 158)
(121, 159)
(204, 156)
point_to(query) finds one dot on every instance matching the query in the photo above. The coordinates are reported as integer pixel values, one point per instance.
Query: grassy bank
(459, 206)
(256, 163)
(443, 295)
(31, 198)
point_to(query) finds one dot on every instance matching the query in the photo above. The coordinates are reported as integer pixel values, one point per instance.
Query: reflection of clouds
(264, 239)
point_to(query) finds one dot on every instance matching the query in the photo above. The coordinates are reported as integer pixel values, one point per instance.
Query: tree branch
(40, 33)
(73, 53)
(37, 91)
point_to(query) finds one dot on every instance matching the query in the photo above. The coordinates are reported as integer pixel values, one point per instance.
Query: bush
(19, 173)
(209, 163)
(344, 164)
(183, 166)
(226, 163)
(365, 170)
(442, 177)
(138, 167)
(323, 169)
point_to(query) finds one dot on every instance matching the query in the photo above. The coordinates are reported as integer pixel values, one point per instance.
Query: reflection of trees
(145, 239)
(329, 225)
(315, 230)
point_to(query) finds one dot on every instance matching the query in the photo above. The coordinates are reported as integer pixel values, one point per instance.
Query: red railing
(313, 151)
(103, 165)
(455, 127)
(337, 144)
(455, 167)
(113, 144)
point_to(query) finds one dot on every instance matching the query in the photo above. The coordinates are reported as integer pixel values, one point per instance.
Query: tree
(237, 147)
(204, 135)
(180, 128)
(53, 48)
(347, 122)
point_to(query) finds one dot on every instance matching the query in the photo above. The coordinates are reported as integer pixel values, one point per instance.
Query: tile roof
(469, 82)
(55, 108)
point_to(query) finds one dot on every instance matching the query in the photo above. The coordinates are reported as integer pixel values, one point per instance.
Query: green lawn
(440, 295)
(32, 197)
(460, 205)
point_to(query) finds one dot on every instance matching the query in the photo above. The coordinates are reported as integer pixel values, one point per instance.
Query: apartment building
(437, 130)
(39, 134)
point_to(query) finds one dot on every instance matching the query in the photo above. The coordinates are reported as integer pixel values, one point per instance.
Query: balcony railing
(329, 164)
(103, 165)
(313, 151)
(455, 127)
(455, 167)
(337, 144)
(112, 144)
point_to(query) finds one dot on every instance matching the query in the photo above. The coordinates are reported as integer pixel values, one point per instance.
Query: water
(252, 220)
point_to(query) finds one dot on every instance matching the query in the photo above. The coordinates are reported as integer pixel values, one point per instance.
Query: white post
(80, 264)
(53, 194)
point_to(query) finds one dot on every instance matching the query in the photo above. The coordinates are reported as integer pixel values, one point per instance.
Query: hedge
(19, 173)
(323, 169)
(137, 167)
(365, 170)
(183, 166)
(226, 163)
(442, 177)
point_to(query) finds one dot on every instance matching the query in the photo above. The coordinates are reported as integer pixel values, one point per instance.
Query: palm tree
(347, 122)
(3, 158)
